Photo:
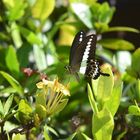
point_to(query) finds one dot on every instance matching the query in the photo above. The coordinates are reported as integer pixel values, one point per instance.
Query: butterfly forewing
(77, 40)
(83, 51)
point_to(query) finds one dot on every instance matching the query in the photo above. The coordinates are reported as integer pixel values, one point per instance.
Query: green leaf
(71, 137)
(24, 107)
(24, 114)
(103, 87)
(8, 104)
(43, 8)
(1, 110)
(30, 36)
(113, 103)
(60, 106)
(85, 136)
(41, 111)
(102, 125)
(88, 2)
(92, 100)
(16, 8)
(24, 57)
(116, 44)
(134, 110)
(16, 35)
(39, 57)
(134, 69)
(19, 137)
(83, 13)
(121, 28)
(12, 61)
(50, 129)
(41, 97)
(105, 13)
(13, 82)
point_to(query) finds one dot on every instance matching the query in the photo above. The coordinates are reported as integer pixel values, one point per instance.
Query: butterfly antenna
(104, 74)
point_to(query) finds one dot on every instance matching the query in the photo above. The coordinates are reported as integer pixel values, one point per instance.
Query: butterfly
(83, 50)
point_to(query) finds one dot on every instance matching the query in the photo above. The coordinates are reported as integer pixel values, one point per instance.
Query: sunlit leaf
(39, 57)
(8, 104)
(116, 44)
(103, 87)
(16, 35)
(30, 36)
(15, 8)
(11, 60)
(88, 2)
(13, 82)
(134, 110)
(121, 28)
(105, 13)
(102, 125)
(83, 12)
(113, 103)
(42, 9)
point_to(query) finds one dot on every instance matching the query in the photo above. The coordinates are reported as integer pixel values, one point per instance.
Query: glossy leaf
(16, 35)
(13, 82)
(30, 36)
(12, 61)
(39, 57)
(116, 44)
(83, 12)
(8, 104)
(42, 9)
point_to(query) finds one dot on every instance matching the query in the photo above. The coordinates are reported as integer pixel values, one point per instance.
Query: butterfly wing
(77, 40)
(84, 51)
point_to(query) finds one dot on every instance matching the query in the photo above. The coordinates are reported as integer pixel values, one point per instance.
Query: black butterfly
(83, 50)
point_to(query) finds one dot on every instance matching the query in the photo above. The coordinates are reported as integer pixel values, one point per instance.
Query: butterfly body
(83, 50)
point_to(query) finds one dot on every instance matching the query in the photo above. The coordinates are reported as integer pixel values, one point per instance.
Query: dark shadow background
(127, 14)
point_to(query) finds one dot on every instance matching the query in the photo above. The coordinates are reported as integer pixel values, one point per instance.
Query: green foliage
(35, 41)
(107, 95)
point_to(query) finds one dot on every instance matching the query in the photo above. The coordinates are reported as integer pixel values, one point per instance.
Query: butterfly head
(68, 68)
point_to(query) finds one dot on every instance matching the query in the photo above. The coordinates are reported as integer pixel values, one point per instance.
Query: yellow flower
(55, 95)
